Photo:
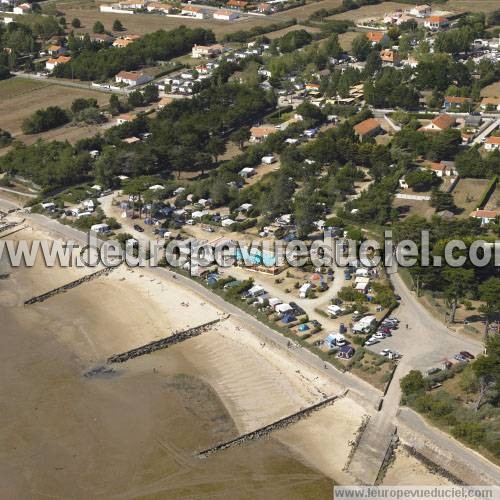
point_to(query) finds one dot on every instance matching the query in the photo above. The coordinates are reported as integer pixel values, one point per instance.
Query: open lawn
(370, 11)
(22, 97)
(284, 31)
(492, 90)
(473, 5)
(467, 193)
(413, 207)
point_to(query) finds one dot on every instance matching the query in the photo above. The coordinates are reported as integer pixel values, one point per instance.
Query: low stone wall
(268, 429)
(162, 343)
(69, 286)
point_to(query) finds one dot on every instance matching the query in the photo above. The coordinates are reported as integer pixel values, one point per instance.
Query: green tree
(216, 147)
(117, 25)
(412, 383)
(457, 283)
(421, 180)
(76, 23)
(490, 294)
(240, 136)
(361, 47)
(98, 27)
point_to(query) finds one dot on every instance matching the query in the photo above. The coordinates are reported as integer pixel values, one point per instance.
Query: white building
(24, 8)
(226, 15)
(132, 78)
(492, 143)
(192, 11)
(421, 10)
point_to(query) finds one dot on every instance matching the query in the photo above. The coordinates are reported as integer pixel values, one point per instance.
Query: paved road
(486, 132)
(20, 193)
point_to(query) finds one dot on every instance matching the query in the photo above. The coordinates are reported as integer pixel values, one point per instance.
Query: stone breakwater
(69, 286)
(268, 429)
(162, 343)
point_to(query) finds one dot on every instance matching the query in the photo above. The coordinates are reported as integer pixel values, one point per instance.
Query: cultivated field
(22, 97)
(492, 90)
(467, 193)
(304, 11)
(473, 5)
(370, 10)
(141, 24)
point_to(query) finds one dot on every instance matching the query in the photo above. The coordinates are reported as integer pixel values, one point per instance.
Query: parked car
(467, 354)
(461, 359)
(385, 333)
(138, 228)
(371, 341)
(316, 323)
(297, 308)
(380, 336)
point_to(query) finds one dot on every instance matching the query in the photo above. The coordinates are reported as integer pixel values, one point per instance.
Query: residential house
(312, 87)
(124, 118)
(262, 132)
(225, 15)
(404, 18)
(486, 216)
(131, 4)
(52, 63)
(378, 37)
(56, 50)
(166, 8)
(421, 10)
(491, 143)
(125, 41)
(192, 11)
(24, 8)
(367, 128)
(389, 56)
(440, 123)
(490, 103)
(132, 78)
(436, 22)
(237, 4)
(442, 169)
(100, 38)
(455, 102)
(265, 8)
(200, 51)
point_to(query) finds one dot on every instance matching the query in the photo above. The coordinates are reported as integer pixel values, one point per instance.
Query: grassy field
(284, 31)
(370, 11)
(413, 207)
(467, 192)
(22, 97)
(472, 5)
(346, 39)
(492, 90)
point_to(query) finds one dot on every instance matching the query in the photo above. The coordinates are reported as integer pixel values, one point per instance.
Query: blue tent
(303, 328)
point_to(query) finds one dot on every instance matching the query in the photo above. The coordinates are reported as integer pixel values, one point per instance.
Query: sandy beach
(135, 433)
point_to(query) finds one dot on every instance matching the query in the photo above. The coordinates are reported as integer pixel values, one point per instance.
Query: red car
(467, 354)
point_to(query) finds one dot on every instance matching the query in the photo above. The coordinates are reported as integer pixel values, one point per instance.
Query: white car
(380, 336)
(371, 341)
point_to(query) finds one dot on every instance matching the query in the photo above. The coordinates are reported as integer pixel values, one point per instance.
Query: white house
(421, 10)
(51, 63)
(490, 103)
(226, 15)
(201, 51)
(24, 8)
(132, 78)
(436, 22)
(486, 216)
(192, 11)
(492, 143)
